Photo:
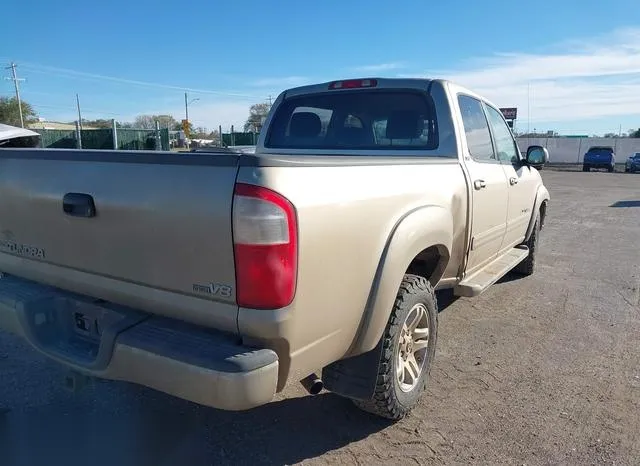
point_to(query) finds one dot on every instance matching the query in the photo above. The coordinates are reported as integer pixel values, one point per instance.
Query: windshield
(372, 119)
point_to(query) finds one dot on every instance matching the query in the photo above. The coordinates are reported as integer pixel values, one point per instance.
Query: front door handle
(479, 184)
(513, 180)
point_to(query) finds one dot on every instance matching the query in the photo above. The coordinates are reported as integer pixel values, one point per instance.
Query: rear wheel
(586, 168)
(408, 349)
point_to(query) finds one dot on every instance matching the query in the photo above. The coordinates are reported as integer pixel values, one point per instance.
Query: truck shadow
(161, 430)
(445, 299)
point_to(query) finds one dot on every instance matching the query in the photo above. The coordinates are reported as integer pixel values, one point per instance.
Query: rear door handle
(513, 180)
(79, 205)
(479, 184)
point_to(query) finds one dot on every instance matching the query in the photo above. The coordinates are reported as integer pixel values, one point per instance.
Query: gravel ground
(542, 370)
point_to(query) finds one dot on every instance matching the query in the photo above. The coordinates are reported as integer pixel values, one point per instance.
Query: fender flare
(542, 195)
(419, 229)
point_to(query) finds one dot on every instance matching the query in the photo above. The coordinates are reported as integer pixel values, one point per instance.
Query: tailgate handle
(78, 205)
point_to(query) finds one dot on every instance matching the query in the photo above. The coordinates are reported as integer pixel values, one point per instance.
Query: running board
(491, 273)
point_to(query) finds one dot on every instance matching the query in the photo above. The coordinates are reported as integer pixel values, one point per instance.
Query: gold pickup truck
(221, 277)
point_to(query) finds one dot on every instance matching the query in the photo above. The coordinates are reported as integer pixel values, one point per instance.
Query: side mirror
(537, 156)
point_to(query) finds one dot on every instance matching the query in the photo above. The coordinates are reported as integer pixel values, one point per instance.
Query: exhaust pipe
(312, 384)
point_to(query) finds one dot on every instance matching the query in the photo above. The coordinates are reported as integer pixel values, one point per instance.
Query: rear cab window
(372, 119)
(600, 150)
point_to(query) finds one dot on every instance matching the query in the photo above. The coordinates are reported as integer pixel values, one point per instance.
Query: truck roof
(380, 83)
(384, 83)
(601, 148)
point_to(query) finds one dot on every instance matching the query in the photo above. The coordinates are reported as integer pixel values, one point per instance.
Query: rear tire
(528, 266)
(586, 168)
(408, 349)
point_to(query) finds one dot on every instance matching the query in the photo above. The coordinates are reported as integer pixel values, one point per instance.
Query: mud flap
(354, 377)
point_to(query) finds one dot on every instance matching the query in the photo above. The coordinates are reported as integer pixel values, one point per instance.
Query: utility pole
(529, 108)
(186, 116)
(186, 112)
(16, 81)
(79, 114)
(186, 107)
(270, 101)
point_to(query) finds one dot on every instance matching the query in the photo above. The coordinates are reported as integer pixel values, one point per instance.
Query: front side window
(476, 129)
(505, 145)
(364, 119)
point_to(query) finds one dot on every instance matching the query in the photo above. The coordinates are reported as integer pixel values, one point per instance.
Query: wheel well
(543, 213)
(430, 264)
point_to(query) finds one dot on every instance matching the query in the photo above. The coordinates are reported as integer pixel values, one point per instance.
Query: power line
(16, 83)
(84, 110)
(68, 73)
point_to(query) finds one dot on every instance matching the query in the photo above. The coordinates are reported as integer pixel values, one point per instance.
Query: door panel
(521, 179)
(488, 185)
(488, 223)
(521, 202)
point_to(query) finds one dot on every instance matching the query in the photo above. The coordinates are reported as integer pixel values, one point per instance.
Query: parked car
(633, 163)
(599, 157)
(219, 278)
(12, 136)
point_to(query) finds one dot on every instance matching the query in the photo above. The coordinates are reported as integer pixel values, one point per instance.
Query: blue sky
(565, 65)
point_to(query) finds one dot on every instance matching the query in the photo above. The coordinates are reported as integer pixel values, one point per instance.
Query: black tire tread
(528, 266)
(384, 402)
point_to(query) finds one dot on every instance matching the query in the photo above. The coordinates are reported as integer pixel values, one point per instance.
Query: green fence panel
(239, 139)
(97, 139)
(57, 138)
(164, 138)
(128, 139)
(136, 139)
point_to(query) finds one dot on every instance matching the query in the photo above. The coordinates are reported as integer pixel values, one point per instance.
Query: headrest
(305, 125)
(404, 125)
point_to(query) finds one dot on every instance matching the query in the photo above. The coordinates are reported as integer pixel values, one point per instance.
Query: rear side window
(371, 119)
(476, 129)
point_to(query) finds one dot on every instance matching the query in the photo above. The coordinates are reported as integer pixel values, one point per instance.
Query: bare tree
(257, 115)
(149, 121)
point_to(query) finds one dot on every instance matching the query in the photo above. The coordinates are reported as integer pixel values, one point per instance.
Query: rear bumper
(119, 343)
(598, 164)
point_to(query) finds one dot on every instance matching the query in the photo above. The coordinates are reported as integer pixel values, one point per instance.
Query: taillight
(265, 239)
(353, 84)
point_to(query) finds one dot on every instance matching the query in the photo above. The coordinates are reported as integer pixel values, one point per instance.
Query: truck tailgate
(162, 222)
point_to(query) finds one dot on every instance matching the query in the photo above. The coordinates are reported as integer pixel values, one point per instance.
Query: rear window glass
(372, 119)
(600, 150)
